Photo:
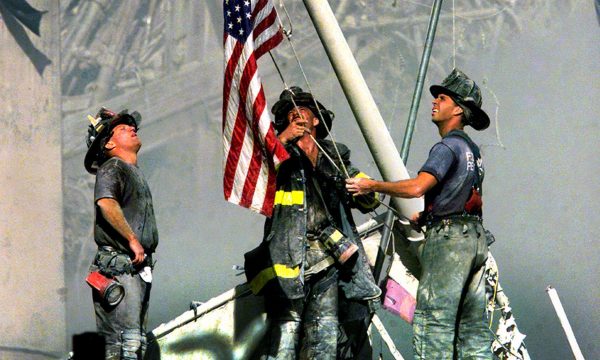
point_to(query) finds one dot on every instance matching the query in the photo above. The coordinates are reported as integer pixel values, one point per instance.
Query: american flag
(251, 148)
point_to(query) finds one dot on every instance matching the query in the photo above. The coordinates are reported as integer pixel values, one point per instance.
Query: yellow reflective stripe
(368, 204)
(278, 270)
(288, 198)
(360, 200)
(334, 238)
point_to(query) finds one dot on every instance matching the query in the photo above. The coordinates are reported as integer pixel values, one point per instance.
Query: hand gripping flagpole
(361, 102)
(562, 316)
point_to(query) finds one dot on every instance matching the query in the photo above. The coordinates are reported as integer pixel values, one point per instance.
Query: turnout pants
(123, 326)
(305, 328)
(450, 319)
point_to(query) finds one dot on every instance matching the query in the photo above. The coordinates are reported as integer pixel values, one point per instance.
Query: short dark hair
(467, 114)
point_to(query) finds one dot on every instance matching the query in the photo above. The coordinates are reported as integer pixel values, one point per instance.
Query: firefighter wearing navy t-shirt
(124, 231)
(450, 318)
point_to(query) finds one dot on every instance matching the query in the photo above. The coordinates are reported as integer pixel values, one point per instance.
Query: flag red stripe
(233, 156)
(264, 24)
(267, 207)
(257, 157)
(273, 145)
(228, 78)
(252, 176)
(258, 7)
(251, 147)
(269, 44)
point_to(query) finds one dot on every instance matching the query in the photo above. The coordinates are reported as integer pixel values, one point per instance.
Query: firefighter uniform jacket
(285, 234)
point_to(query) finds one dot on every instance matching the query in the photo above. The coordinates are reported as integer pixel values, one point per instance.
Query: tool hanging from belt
(341, 247)
(109, 288)
(108, 264)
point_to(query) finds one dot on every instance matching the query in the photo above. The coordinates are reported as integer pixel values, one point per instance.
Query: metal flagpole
(410, 127)
(361, 102)
(414, 108)
(562, 316)
(365, 110)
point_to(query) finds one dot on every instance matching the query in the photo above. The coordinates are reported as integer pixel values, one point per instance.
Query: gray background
(540, 188)
(537, 63)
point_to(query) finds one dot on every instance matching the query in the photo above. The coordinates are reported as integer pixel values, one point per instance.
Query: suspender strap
(475, 149)
(474, 203)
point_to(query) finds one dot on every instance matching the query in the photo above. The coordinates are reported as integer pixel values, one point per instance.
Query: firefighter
(450, 317)
(316, 262)
(124, 230)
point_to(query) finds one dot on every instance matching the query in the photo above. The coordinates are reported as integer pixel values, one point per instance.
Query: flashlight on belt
(110, 290)
(340, 246)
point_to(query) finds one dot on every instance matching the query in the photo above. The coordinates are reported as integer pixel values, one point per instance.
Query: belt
(108, 248)
(147, 255)
(451, 220)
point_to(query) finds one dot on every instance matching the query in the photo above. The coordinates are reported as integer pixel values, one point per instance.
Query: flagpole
(410, 127)
(361, 102)
(414, 108)
(562, 316)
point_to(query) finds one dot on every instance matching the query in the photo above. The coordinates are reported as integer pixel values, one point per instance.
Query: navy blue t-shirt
(126, 184)
(454, 164)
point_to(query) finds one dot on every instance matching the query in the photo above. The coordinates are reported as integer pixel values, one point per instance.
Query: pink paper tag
(399, 301)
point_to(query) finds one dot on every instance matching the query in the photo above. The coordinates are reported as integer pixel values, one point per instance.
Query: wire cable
(288, 35)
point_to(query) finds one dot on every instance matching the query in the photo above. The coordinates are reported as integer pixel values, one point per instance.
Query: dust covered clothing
(456, 167)
(124, 325)
(287, 230)
(126, 184)
(450, 320)
(303, 310)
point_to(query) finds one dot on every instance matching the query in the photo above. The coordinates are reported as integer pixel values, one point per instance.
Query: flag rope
(288, 36)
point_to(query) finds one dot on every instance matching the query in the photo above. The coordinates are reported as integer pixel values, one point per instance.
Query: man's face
(303, 116)
(124, 137)
(444, 108)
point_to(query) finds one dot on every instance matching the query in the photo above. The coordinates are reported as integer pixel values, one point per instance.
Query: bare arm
(112, 212)
(411, 188)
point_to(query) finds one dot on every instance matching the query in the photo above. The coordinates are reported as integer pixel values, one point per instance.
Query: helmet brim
(479, 121)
